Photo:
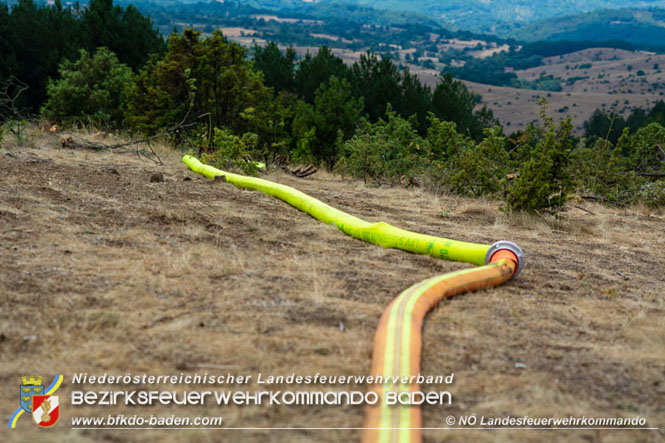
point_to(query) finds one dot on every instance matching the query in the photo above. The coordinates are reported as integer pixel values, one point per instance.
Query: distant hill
(331, 11)
(632, 25)
(499, 16)
(506, 18)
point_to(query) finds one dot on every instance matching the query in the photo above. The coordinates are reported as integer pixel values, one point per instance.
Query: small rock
(520, 365)
(157, 177)
(187, 179)
(29, 337)
(111, 170)
(341, 326)
(36, 159)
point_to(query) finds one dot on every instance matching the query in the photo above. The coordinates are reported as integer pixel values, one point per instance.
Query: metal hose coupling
(504, 245)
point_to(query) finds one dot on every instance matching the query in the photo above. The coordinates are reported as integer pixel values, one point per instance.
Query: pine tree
(277, 67)
(377, 81)
(90, 89)
(314, 71)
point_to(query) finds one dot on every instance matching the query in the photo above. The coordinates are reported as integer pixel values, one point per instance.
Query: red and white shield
(45, 410)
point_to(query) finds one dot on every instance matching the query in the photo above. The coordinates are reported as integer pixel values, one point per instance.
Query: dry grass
(607, 85)
(612, 83)
(112, 273)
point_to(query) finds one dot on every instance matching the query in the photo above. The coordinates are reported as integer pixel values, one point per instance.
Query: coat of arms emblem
(38, 401)
(31, 386)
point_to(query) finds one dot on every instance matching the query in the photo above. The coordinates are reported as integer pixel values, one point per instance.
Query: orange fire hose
(398, 343)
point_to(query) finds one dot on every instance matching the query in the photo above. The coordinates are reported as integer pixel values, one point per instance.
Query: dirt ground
(103, 271)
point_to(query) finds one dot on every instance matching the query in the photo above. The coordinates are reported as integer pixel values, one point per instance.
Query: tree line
(35, 39)
(370, 120)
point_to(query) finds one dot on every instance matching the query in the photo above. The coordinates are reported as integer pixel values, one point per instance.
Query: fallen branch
(69, 142)
(299, 172)
(604, 199)
(72, 142)
(302, 173)
(585, 210)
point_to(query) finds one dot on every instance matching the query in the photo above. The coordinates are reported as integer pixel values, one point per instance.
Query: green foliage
(277, 67)
(230, 152)
(545, 178)
(91, 88)
(36, 38)
(196, 76)
(443, 140)
(273, 122)
(604, 125)
(415, 99)
(491, 70)
(381, 152)
(17, 128)
(34, 41)
(652, 194)
(620, 173)
(315, 71)
(646, 153)
(608, 125)
(457, 163)
(602, 170)
(477, 170)
(391, 150)
(332, 118)
(452, 101)
(126, 32)
(601, 26)
(542, 83)
(378, 82)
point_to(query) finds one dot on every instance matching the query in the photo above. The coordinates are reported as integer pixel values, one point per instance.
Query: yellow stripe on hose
(396, 422)
(380, 233)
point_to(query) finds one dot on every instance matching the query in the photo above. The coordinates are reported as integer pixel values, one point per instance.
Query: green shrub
(197, 76)
(545, 178)
(443, 140)
(652, 194)
(480, 169)
(319, 128)
(645, 149)
(382, 152)
(232, 153)
(603, 171)
(89, 89)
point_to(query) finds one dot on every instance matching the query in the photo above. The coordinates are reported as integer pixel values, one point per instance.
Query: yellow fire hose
(398, 340)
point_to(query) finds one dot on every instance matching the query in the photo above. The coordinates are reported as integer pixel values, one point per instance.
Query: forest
(108, 67)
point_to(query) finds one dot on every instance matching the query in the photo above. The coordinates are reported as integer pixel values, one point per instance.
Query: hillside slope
(502, 15)
(632, 25)
(102, 270)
